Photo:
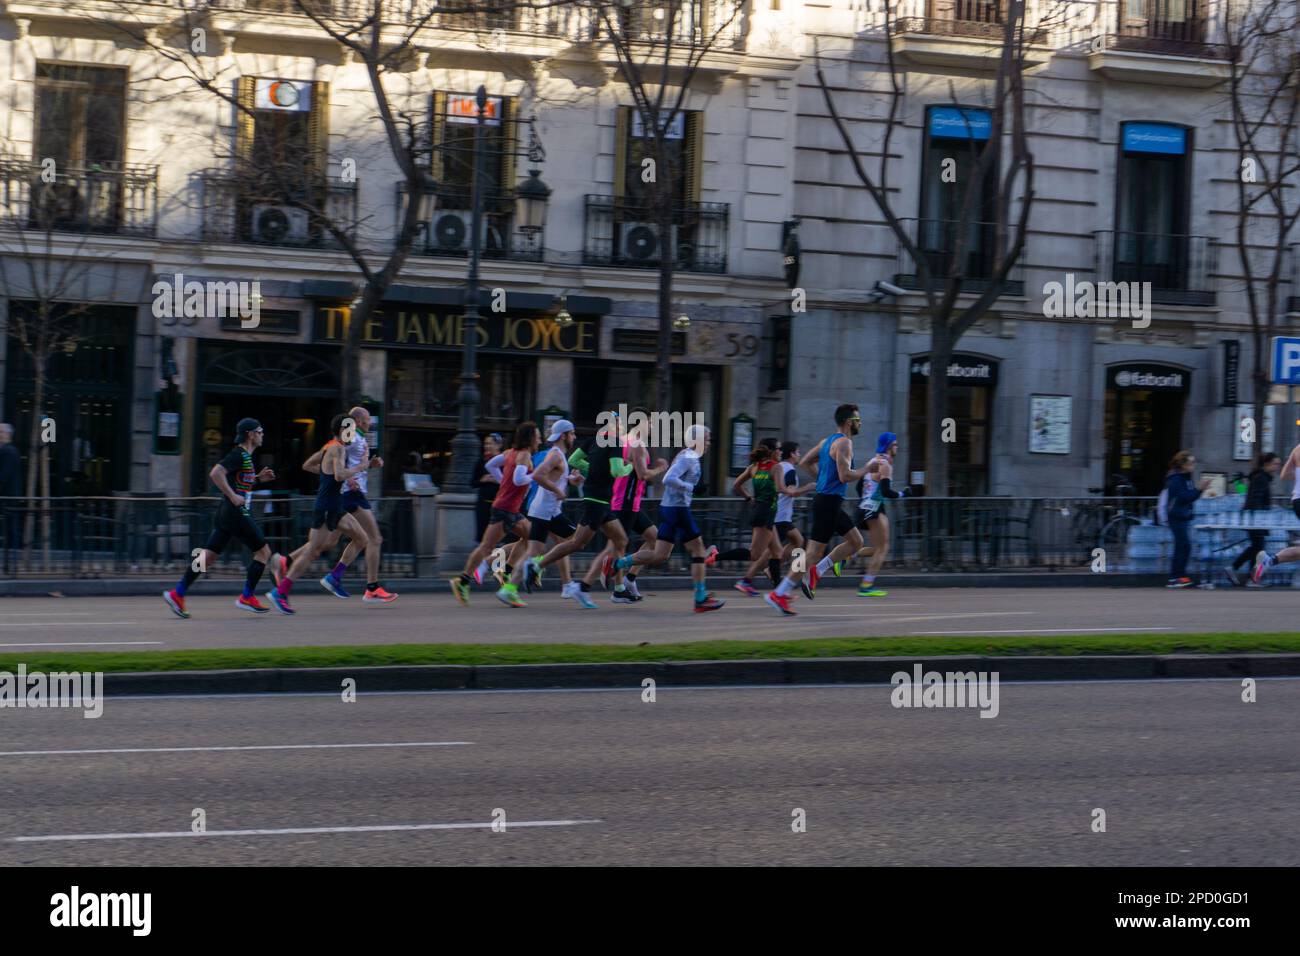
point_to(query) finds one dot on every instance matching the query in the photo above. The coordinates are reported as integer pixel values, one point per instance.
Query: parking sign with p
(1286, 360)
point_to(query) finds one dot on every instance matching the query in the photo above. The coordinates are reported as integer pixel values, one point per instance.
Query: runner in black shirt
(234, 478)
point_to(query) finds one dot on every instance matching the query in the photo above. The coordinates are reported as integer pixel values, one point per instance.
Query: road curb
(152, 587)
(815, 670)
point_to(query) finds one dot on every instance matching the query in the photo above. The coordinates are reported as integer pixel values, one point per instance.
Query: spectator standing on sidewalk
(1182, 490)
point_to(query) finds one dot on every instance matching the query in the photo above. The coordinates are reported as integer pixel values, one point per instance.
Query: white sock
(482, 569)
(824, 564)
(631, 589)
(785, 587)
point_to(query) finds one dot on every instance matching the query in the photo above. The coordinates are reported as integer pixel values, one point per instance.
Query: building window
(454, 120)
(971, 383)
(80, 115)
(683, 155)
(1151, 241)
(954, 139)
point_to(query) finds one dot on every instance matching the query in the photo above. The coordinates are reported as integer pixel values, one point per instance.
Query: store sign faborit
(1154, 377)
(963, 370)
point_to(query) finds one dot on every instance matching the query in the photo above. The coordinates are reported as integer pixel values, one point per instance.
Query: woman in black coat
(1259, 497)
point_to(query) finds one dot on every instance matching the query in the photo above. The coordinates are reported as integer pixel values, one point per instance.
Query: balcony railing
(961, 18)
(643, 21)
(119, 200)
(937, 241)
(447, 232)
(1184, 38)
(238, 209)
(622, 232)
(1179, 268)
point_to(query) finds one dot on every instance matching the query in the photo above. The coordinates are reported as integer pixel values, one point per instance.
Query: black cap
(245, 426)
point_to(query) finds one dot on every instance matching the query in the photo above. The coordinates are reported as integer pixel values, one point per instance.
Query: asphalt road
(1186, 773)
(139, 623)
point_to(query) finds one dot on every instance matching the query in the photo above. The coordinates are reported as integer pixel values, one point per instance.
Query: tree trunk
(33, 451)
(664, 363)
(936, 449)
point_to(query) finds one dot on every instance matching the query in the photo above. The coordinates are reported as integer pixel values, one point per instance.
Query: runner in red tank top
(506, 516)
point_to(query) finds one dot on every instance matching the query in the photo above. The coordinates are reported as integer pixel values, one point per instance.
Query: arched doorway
(291, 389)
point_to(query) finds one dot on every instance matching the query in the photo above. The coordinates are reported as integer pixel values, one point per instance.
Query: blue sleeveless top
(538, 456)
(828, 473)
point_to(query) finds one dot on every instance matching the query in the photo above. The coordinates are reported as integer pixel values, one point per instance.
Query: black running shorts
(762, 516)
(559, 526)
(507, 519)
(234, 523)
(596, 513)
(783, 529)
(325, 517)
(635, 522)
(829, 518)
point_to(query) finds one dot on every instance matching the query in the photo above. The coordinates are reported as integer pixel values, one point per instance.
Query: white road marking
(83, 644)
(392, 828)
(1050, 630)
(181, 750)
(66, 623)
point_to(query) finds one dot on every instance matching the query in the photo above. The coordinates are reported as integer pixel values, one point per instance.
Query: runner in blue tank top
(832, 461)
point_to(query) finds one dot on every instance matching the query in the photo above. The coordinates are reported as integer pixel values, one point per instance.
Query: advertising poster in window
(1049, 424)
(1246, 450)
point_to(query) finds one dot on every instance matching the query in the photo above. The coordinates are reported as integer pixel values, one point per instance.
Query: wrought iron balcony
(1179, 268)
(937, 241)
(977, 19)
(622, 232)
(239, 208)
(447, 232)
(121, 199)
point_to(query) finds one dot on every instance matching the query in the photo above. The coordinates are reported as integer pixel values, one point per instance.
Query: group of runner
(613, 468)
(341, 508)
(525, 530)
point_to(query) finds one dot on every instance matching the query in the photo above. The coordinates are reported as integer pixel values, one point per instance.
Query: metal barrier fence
(952, 534)
(100, 537)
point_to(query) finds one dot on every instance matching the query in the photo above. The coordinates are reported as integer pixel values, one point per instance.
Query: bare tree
(1263, 48)
(382, 38)
(661, 47)
(942, 263)
(45, 259)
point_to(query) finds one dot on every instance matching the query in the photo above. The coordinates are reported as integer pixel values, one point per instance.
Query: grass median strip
(378, 655)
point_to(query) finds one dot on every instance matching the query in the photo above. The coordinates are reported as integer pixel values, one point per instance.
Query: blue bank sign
(959, 122)
(1286, 360)
(1155, 138)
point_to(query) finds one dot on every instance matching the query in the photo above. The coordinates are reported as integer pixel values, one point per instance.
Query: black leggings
(1257, 539)
(1182, 546)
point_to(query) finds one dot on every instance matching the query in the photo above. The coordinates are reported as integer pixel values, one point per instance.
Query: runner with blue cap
(875, 487)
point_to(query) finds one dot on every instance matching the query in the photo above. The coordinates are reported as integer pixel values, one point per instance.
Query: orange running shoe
(379, 596)
(251, 604)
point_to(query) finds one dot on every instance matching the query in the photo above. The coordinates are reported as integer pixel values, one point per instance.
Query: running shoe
(1179, 583)
(744, 587)
(812, 578)
(378, 596)
(251, 604)
(1234, 576)
(807, 591)
(331, 584)
(279, 567)
(509, 596)
(633, 590)
(606, 571)
(871, 592)
(584, 599)
(460, 589)
(621, 596)
(709, 557)
(837, 567)
(1263, 561)
(710, 603)
(176, 603)
(779, 601)
(280, 602)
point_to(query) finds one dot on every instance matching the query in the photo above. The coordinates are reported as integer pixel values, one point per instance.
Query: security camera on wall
(888, 288)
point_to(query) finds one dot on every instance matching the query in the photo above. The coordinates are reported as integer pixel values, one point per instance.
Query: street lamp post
(465, 447)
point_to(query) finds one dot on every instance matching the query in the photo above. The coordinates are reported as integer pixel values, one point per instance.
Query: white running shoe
(1263, 561)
